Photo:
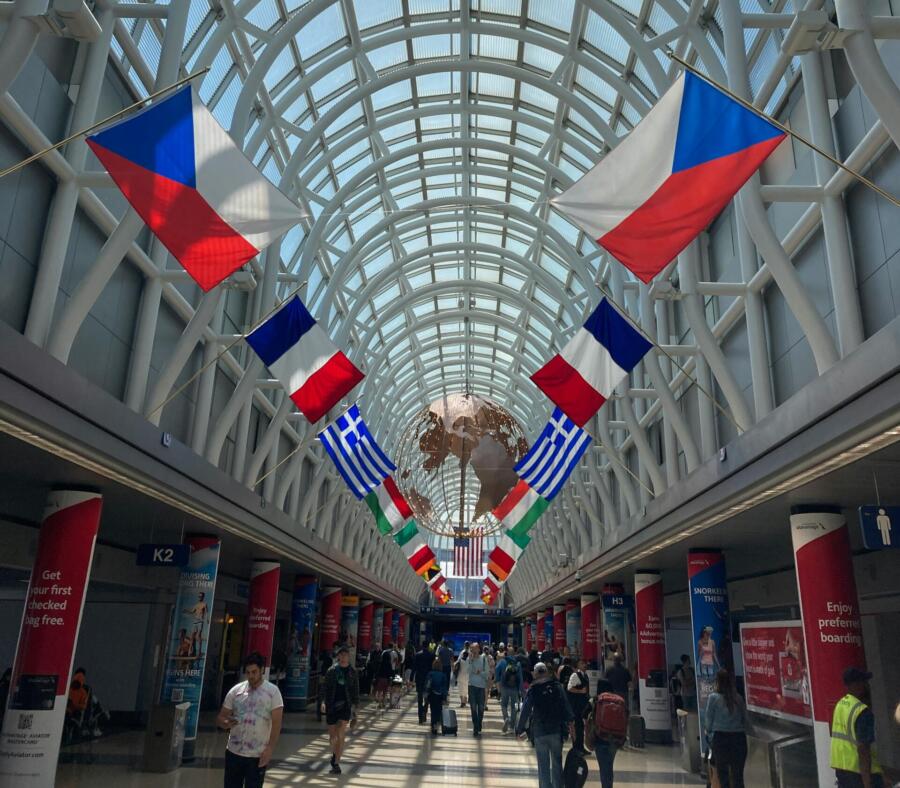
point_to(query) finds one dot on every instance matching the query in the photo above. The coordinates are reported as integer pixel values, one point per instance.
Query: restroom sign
(880, 526)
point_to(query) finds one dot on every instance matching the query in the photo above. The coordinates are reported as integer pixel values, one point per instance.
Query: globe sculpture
(455, 462)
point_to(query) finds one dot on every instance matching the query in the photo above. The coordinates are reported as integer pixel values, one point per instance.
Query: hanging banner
(330, 628)
(36, 705)
(615, 628)
(590, 637)
(378, 628)
(303, 616)
(573, 627)
(262, 608)
(534, 631)
(548, 629)
(776, 681)
(395, 627)
(388, 622)
(651, 655)
(710, 623)
(511, 634)
(829, 608)
(349, 624)
(401, 630)
(559, 627)
(186, 657)
(364, 637)
(528, 634)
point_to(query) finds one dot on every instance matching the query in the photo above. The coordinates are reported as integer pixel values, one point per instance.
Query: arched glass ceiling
(425, 137)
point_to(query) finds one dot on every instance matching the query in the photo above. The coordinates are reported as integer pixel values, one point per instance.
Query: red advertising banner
(401, 631)
(262, 608)
(388, 618)
(559, 627)
(541, 630)
(36, 707)
(829, 608)
(526, 633)
(651, 652)
(332, 597)
(366, 614)
(775, 676)
(590, 630)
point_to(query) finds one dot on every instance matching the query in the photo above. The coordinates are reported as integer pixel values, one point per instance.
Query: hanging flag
(521, 508)
(407, 534)
(671, 176)
(422, 559)
(432, 574)
(554, 455)
(389, 506)
(583, 375)
(315, 374)
(501, 563)
(468, 552)
(489, 591)
(358, 458)
(193, 187)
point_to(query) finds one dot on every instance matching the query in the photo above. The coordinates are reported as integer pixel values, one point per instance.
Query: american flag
(468, 553)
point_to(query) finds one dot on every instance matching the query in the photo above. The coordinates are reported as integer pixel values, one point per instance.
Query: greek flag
(553, 456)
(358, 458)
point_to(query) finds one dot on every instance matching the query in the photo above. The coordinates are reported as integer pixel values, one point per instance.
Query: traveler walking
(688, 683)
(421, 669)
(445, 655)
(606, 725)
(341, 699)
(461, 670)
(251, 713)
(508, 677)
(522, 659)
(479, 675)
(578, 692)
(853, 755)
(619, 676)
(384, 675)
(726, 725)
(546, 714)
(438, 689)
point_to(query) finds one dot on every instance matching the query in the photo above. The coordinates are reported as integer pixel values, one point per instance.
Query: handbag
(712, 779)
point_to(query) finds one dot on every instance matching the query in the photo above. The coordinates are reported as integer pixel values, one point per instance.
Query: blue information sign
(878, 524)
(163, 554)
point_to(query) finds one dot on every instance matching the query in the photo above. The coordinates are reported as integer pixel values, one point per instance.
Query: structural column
(559, 627)
(349, 624)
(387, 626)
(262, 608)
(300, 641)
(651, 655)
(378, 627)
(590, 637)
(330, 618)
(829, 608)
(573, 627)
(39, 688)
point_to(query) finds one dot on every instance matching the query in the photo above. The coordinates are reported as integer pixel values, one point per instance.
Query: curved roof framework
(424, 138)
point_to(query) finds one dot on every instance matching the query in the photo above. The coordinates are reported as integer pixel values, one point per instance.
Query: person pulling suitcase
(438, 690)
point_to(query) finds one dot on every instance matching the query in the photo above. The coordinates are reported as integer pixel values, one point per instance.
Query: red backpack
(610, 716)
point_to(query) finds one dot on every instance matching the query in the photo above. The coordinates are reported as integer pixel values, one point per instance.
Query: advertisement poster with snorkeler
(776, 678)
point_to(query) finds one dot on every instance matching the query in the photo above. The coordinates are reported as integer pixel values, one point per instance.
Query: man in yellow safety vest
(853, 756)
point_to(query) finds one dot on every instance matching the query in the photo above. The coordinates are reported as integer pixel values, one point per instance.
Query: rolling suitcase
(636, 728)
(448, 722)
(575, 771)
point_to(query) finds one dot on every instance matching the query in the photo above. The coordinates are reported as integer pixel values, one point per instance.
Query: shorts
(334, 716)
(382, 684)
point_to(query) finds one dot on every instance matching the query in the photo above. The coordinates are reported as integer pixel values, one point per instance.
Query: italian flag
(520, 509)
(389, 506)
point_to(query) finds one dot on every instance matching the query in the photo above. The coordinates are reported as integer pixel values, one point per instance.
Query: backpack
(610, 716)
(511, 675)
(547, 703)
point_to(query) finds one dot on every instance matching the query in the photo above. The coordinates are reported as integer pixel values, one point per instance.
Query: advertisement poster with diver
(776, 679)
(186, 661)
(710, 622)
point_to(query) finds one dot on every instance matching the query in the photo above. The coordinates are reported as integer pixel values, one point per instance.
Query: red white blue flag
(671, 176)
(583, 375)
(315, 374)
(193, 187)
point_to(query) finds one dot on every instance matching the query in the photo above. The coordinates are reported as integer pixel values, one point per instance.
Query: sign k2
(163, 555)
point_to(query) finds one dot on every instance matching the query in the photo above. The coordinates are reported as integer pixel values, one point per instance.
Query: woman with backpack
(508, 677)
(726, 730)
(606, 728)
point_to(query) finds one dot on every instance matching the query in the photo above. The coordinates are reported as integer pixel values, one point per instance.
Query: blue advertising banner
(548, 628)
(615, 626)
(573, 627)
(350, 624)
(378, 628)
(710, 622)
(186, 655)
(303, 618)
(395, 626)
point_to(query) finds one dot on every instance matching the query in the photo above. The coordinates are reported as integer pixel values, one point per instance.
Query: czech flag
(583, 375)
(671, 176)
(193, 187)
(315, 374)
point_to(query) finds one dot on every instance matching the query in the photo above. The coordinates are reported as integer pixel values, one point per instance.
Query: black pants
(854, 780)
(241, 772)
(422, 698)
(729, 752)
(436, 702)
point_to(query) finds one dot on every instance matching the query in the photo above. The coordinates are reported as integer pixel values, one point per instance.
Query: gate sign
(880, 526)
(163, 554)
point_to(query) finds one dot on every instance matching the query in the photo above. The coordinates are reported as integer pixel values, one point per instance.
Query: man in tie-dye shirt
(251, 713)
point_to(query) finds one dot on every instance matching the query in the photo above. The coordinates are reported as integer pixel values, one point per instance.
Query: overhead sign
(475, 612)
(163, 554)
(880, 526)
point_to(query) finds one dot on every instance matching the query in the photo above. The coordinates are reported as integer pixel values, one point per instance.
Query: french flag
(583, 375)
(192, 186)
(315, 374)
(671, 176)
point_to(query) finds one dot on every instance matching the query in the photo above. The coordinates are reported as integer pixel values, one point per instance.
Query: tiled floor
(388, 748)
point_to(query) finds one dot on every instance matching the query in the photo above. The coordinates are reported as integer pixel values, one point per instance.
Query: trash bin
(689, 735)
(164, 741)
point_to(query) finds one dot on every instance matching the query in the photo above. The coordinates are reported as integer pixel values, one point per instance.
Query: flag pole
(99, 123)
(799, 137)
